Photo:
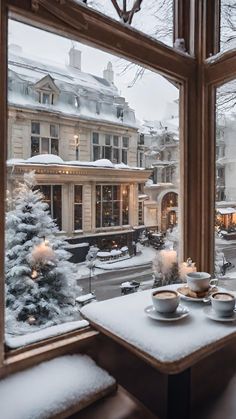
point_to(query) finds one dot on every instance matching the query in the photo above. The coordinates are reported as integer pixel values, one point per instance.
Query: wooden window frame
(197, 78)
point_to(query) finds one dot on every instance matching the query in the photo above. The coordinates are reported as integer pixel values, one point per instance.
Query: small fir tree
(40, 281)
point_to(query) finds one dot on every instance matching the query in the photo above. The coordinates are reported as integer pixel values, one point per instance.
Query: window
(52, 196)
(112, 205)
(182, 71)
(78, 207)
(44, 145)
(46, 98)
(108, 146)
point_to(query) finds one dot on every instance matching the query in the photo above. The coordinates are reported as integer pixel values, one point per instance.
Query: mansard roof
(69, 81)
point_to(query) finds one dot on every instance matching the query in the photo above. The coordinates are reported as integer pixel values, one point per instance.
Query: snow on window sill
(15, 342)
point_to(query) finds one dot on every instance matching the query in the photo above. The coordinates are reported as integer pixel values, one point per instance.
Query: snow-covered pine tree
(40, 281)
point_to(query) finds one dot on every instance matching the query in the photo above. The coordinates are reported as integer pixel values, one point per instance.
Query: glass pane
(57, 205)
(116, 154)
(228, 25)
(35, 127)
(107, 139)
(44, 146)
(54, 146)
(107, 153)
(46, 191)
(107, 193)
(53, 130)
(78, 217)
(95, 138)
(116, 141)
(78, 194)
(155, 18)
(225, 207)
(96, 152)
(124, 156)
(108, 214)
(34, 146)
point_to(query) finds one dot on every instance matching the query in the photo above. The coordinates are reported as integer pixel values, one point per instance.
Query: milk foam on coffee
(165, 294)
(223, 297)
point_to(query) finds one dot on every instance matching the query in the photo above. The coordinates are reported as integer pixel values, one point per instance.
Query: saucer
(188, 295)
(211, 314)
(178, 314)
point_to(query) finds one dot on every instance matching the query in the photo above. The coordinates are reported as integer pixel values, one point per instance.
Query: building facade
(80, 136)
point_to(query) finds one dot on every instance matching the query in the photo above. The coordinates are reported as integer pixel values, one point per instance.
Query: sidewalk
(144, 259)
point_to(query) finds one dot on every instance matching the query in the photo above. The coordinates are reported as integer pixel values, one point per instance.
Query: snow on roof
(52, 159)
(45, 159)
(87, 87)
(33, 71)
(225, 211)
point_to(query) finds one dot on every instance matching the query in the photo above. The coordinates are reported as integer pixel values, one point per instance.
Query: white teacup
(200, 281)
(165, 301)
(223, 303)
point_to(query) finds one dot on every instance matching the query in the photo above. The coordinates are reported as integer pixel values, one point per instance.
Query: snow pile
(52, 387)
(125, 317)
(46, 159)
(14, 342)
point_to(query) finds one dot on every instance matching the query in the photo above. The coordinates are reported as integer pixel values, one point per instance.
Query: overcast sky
(148, 97)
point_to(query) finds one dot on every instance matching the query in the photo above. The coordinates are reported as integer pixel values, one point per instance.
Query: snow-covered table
(172, 348)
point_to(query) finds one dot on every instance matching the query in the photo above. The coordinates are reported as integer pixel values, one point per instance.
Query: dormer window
(120, 113)
(46, 98)
(47, 90)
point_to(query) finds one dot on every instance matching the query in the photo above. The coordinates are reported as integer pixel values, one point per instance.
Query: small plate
(211, 314)
(180, 313)
(196, 299)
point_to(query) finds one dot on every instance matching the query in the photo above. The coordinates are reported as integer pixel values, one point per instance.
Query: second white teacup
(223, 303)
(200, 281)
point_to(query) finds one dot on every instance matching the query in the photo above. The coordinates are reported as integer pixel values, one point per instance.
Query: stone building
(80, 136)
(158, 149)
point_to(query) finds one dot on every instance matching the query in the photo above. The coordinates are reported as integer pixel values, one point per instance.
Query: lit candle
(168, 258)
(42, 253)
(34, 274)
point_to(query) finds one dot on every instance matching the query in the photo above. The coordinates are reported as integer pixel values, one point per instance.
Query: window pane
(95, 138)
(155, 17)
(228, 25)
(96, 152)
(125, 142)
(124, 156)
(107, 213)
(57, 205)
(46, 98)
(44, 146)
(116, 141)
(107, 153)
(54, 146)
(107, 139)
(225, 206)
(35, 127)
(34, 146)
(78, 194)
(78, 219)
(116, 154)
(53, 130)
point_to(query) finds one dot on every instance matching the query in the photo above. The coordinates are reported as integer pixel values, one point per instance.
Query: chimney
(108, 73)
(75, 58)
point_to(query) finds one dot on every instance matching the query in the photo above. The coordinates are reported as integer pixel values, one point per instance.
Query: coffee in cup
(223, 303)
(165, 301)
(200, 281)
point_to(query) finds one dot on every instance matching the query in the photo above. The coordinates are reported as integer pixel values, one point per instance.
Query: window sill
(74, 341)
